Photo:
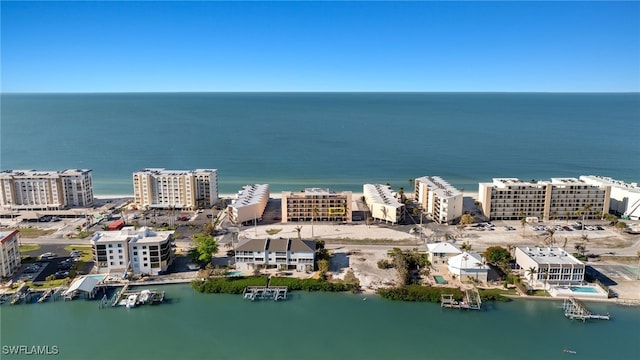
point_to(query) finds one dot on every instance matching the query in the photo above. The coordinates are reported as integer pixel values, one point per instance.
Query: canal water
(191, 325)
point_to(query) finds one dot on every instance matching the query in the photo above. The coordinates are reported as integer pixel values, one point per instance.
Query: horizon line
(310, 92)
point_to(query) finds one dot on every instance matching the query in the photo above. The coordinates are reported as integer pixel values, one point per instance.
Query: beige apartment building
(45, 190)
(10, 259)
(382, 203)
(180, 189)
(315, 204)
(624, 198)
(560, 198)
(438, 199)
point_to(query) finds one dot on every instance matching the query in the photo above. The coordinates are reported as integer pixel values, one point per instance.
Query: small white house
(439, 253)
(469, 265)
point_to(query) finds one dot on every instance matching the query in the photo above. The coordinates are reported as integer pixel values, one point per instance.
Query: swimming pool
(234, 273)
(584, 289)
(98, 277)
(439, 279)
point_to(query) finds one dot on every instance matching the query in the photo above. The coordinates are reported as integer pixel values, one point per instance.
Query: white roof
(548, 255)
(439, 186)
(467, 260)
(85, 283)
(251, 194)
(379, 194)
(443, 248)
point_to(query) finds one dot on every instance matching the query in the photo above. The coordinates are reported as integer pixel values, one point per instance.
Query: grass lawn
(34, 233)
(86, 250)
(49, 284)
(273, 231)
(542, 293)
(25, 248)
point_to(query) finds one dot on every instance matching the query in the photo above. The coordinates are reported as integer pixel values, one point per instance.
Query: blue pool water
(234, 273)
(439, 279)
(586, 289)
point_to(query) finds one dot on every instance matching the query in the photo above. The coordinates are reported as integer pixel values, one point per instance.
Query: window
(119, 245)
(135, 253)
(145, 264)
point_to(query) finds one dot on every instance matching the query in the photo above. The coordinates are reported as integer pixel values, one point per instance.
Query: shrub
(418, 293)
(384, 264)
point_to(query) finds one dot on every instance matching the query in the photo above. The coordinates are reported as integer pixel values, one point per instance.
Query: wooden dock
(576, 309)
(263, 292)
(46, 295)
(470, 300)
(119, 295)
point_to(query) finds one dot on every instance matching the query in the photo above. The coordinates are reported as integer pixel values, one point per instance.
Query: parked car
(61, 274)
(47, 255)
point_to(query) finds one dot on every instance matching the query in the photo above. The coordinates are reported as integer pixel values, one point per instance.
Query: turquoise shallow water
(337, 140)
(317, 326)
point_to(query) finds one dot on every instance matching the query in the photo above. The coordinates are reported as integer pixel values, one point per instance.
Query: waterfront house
(283, 254)
(10, 259)
(549, 265)
(440, 253)
(469, 266)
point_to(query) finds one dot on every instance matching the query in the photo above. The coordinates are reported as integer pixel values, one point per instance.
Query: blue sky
(320, 46)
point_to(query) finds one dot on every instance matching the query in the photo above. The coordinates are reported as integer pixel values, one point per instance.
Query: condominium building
(560, 198)
(249, 203)
(10, 259)
(382, 203)
(284, 254)
(143, 251)
(624, 197)
(550, 265)
(45, 190)
(182, 189)
(438, 199)
(315, 204)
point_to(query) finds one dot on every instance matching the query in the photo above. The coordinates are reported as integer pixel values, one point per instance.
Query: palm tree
(465, 246)
(385, 213)
(298, 229)
(532, 271)
(564, 244)
(523, 222)
(314, 213)
(548, 239)
(511, 249)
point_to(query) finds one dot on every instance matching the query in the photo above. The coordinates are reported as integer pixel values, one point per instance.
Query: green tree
(205, 246)
(531, 273)
(620, 225)
(497, 255)
(466, 219)
(323, 266)
(465, 246)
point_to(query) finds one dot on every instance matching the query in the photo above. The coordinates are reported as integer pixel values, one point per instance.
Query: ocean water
(316, 326)
(334, 140)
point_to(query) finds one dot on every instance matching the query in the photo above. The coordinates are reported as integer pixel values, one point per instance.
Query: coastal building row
(438, 199)
(10, 259)
(179, 189)
(45, 190)
(249, 204)
(502, 199)
(382, 203)
(282, 254)
(560, 198)
(141, 251)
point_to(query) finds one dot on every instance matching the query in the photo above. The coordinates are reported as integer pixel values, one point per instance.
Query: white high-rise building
(625, 197)
(181, 189)
(45, 190)
(143, 251)
(441, 201)
(560, 198)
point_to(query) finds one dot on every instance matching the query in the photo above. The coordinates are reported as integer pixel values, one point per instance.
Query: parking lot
(59, 261)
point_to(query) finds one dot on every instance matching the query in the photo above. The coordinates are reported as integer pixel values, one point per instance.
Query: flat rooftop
(549, 255)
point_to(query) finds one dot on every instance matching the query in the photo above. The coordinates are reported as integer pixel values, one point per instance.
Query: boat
(132, 301)
(569, 351)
